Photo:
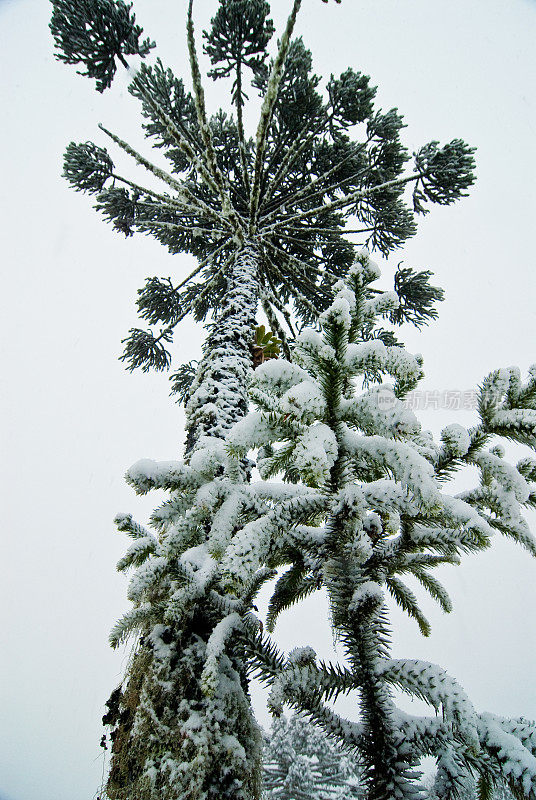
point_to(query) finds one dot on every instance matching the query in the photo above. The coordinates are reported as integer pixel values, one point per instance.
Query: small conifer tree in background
(302, 763)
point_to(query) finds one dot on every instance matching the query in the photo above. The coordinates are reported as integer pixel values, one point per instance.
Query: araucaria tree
(267, 218)
(363, 505)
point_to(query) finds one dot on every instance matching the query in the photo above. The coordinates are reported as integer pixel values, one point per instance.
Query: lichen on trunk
(218, 397)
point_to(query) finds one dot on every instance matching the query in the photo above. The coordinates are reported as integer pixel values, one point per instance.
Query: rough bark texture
(170, 741)
(218, 397)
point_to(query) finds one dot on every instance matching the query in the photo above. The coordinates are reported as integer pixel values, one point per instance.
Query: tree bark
(218, 397)
(201, 748)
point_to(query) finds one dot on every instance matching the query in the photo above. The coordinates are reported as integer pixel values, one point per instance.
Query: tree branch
(347, 200)
(206, 135)
(183, 191)
(267, 111)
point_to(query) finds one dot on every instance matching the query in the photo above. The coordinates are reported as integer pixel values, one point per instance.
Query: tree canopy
(322, 156)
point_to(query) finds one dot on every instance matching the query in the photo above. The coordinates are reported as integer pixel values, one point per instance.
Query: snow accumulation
(209, 455)
(366, 592)
(252, 431)
(146, 474)
(363, 265)
(379, 411)
(375, 354)
(279, 375)
(316, 451)
(505, 474)
(311, 341)
(516, 760)
(338, 313)
(381, 304)
(409, 468)
(456, 438)
(518, 419)
(437, 687)
(304, 400)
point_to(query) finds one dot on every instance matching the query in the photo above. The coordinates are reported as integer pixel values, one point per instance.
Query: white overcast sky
(73, 420)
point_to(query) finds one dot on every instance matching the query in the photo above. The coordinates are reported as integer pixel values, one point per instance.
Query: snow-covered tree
(268, 212)
(302, 763)
(363, 505)
(266, 216)
(178, 592)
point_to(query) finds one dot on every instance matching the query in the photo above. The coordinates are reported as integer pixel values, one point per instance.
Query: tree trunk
(218, 397)
(171, 742)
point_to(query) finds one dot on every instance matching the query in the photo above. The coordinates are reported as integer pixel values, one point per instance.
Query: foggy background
(73, 420)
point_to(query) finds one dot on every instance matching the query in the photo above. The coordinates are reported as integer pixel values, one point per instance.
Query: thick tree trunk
(171, 742)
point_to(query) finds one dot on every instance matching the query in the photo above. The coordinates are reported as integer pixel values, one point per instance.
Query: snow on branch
(146, 474)
(185, 196)
(227, 208)
(433, 684)
(197, 161)
(267, 109)
(516, 762)
(214, 651)
(410, 469)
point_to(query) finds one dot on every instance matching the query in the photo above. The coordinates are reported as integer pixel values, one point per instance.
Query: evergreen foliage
(475, 790)
(363, 507)
(94, 33)
(301, 763)
(87, 167)
(416, 297)
(266, 217)
(239, 36)
(182, 725)
(290, 190)
(182, 379)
